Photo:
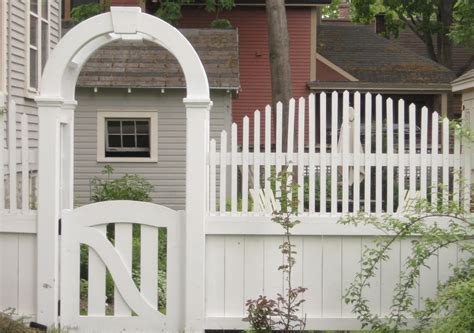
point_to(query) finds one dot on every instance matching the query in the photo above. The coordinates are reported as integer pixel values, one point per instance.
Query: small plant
(85, 11)
(221, 24)
(128, 187)
(260, 313)
(266, 314)
(13, 325)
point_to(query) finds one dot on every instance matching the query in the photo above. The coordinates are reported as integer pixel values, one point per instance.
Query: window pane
(114, 141)
(33, 31)
(44, 43)
(33, 68)
(44, 9)
(34, 6)
(113, 126)
(143, 127)
(129, 141)
(143, 141)
(128, 127)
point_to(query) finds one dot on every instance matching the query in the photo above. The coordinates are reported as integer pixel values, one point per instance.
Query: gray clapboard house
(130, 113)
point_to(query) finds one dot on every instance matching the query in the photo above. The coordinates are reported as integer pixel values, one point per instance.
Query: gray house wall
(168, 174)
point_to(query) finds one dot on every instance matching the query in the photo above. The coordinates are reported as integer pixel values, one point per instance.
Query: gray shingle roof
(373, 58)
(143, 64)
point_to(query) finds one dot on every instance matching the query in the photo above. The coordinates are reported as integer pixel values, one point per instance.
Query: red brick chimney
(380, 23)
(344, 13)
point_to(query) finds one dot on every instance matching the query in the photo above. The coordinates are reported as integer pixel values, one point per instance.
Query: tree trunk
(445, 46)
(279, 55)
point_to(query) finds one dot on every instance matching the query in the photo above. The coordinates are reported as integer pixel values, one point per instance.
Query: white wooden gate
(111, 251)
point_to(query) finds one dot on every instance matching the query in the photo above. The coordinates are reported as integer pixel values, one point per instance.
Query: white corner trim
(336, 68)
(152, 115)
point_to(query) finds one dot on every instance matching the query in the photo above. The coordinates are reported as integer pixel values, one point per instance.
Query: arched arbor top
(72, 52)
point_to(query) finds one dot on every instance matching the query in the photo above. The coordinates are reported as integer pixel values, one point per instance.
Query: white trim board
(102, 115)
(336, 68)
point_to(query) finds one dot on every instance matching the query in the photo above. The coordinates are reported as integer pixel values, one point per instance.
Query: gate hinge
(59, 227)
(59, 307)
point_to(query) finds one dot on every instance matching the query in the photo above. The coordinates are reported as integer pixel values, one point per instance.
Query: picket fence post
(48, 211)
(197, 145)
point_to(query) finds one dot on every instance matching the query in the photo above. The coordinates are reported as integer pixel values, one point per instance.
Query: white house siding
(168, 174)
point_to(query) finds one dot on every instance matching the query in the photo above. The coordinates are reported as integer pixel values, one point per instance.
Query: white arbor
(56, 105)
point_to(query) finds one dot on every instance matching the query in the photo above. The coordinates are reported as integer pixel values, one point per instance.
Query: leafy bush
(128, 187)
(221, 24)
(452, 310)
(169, 11)
(85, 11)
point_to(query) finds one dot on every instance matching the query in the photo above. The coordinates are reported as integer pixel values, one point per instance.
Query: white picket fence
(18, 218)
(395, 162)
(18, 172)
(378, 162)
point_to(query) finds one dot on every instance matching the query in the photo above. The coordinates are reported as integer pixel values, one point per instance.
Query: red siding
(326, 73)
(125, 2)
(254, 63)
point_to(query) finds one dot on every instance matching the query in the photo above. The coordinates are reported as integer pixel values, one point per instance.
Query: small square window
(126, 139)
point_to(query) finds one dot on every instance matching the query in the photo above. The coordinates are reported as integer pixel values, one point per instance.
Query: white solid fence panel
(366, 167)
(242, 267)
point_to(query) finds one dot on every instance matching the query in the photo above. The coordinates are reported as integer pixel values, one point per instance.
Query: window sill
(31, 93)
(127, 160)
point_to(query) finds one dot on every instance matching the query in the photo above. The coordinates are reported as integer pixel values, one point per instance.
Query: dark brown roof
(372, 58)
(143, 64)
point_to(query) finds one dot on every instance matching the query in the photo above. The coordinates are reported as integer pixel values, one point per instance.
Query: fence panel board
(357, 151)
(256, 161)
(334, 154)
(368, 152)
(123, 244)
(301, 149)
(245, 165)
(322, 150)
(390, 157)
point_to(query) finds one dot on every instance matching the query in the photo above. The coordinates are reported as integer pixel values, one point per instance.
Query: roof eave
(464, 82)
(409, 88)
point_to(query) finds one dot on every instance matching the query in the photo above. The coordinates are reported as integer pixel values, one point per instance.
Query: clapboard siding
(168, 174)
(18, 71)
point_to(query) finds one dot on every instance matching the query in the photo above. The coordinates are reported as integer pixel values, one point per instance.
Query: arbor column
(197, 141)
(55, 122)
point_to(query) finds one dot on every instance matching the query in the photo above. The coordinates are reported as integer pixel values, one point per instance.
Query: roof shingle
(372, 58)
(143, 64)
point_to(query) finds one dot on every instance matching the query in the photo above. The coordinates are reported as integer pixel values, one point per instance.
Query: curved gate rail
(134, 309)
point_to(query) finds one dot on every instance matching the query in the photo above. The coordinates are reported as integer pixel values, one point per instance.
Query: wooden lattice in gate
(107, 230)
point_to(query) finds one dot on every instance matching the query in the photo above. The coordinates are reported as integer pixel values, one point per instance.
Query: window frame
(103, 115)
(40, 19)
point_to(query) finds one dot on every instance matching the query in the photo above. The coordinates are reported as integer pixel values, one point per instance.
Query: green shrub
(128, 187)
(221, 24)
(85, 11)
